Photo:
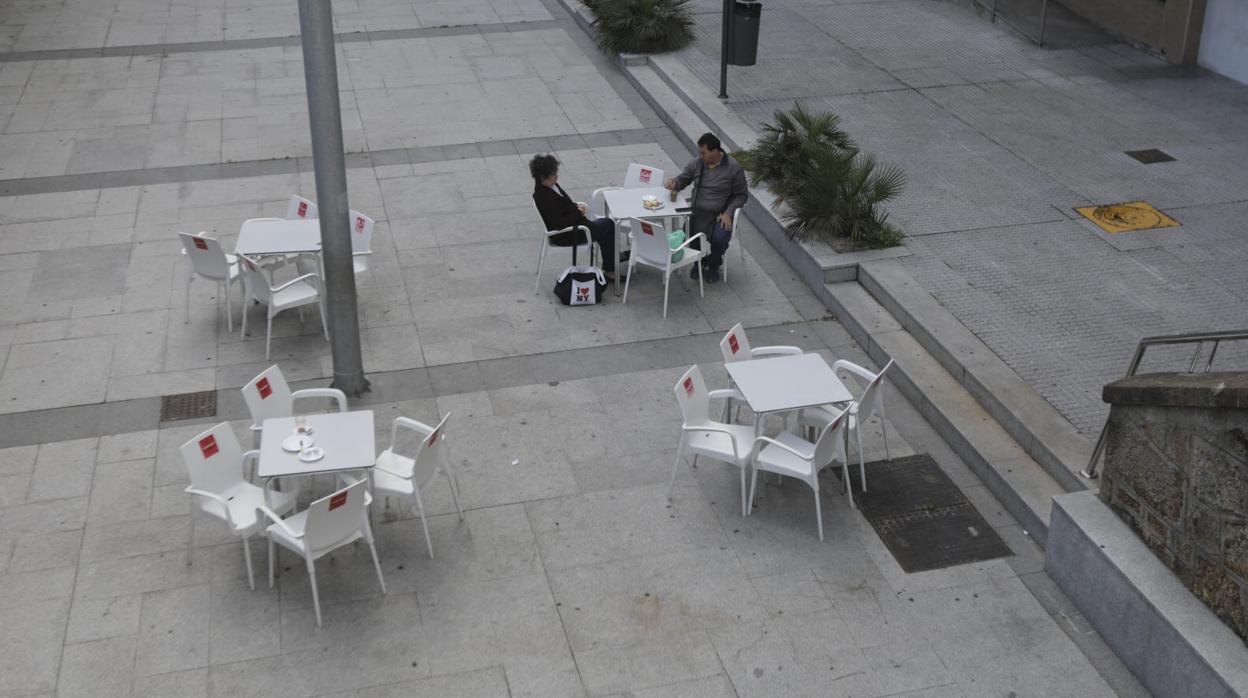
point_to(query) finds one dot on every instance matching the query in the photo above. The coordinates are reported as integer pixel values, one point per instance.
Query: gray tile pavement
(572, 573)
(1000, 140)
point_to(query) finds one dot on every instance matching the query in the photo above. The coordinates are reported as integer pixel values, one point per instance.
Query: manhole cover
(1150, 156)
(923, 518)
(188, 406)
(1127, 217)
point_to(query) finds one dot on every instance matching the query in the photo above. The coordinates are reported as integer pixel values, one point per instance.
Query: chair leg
(701, 287)
(188, 297)
(667, 282)
(818, 508)
(680, 453)
(229, 319)
(372, 548)
(450, 480)
(251, 576)
(862, 466)
(424, 524)
(753, 486)
(268, 334)
(745, 507)
(849, 491)
(628, 281)
(316, 599)
(190, 532)
(537, 285)
(272, 561)
(320, 306)
(884, 427)
(243, 311)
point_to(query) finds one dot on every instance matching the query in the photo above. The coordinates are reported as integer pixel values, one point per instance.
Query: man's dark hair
(711, 141)
(543, 166)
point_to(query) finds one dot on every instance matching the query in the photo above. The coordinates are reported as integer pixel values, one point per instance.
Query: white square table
(346, 437)
(272, 236)
(785, 383)
(626, 203)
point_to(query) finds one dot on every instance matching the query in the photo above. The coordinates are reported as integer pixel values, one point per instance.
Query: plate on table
(312, 454)
(296, 442)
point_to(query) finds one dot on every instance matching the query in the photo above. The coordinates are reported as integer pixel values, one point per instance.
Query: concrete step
(1035, 424)
(1021, 484)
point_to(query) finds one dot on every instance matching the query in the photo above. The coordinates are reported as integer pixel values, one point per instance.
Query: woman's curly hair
(543, 166)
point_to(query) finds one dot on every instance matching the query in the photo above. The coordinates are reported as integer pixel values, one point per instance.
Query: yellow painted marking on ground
(1127, 217)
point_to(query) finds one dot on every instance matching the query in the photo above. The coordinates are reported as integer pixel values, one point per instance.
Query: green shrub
(641, 26)
(834, 192)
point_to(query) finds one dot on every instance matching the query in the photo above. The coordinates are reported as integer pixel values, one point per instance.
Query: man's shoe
(710, 276)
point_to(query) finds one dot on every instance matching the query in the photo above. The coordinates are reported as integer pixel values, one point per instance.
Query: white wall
(1224, 38)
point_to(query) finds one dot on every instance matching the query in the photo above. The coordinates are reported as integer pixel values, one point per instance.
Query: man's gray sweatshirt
(723, 186)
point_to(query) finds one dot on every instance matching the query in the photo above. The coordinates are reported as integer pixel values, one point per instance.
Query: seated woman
(559, 211)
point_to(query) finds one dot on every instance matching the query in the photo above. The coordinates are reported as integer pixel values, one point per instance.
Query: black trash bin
(745, 18)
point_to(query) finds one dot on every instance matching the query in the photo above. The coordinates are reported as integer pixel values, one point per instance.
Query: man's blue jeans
(708, 224)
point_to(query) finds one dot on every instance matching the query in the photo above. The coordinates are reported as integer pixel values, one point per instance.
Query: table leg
(618, 271)
(758, 431)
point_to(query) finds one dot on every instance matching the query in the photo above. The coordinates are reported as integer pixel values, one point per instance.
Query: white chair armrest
(853, 368)
(305, 277)
(225, 503)
(334, 393)
(686, 243)
(736, 453)
(726, 394)
(409, 423)
(361, 254)
(278, 520)
(790, 449)
(777, 350)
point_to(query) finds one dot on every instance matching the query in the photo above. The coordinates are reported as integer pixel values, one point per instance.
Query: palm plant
(833, 191)
(642, 26)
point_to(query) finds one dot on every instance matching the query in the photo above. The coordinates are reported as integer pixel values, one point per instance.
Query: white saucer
(296, 442)
(312, 454)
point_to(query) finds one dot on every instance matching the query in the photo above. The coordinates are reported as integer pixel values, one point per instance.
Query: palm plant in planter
(833, 191)
(641, 26)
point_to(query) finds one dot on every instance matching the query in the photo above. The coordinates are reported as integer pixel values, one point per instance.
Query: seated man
(559, 211)
(719, 190)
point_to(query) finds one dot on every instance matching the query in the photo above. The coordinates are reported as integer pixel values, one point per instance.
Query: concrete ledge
(1168, 638)
(1017, 481)
(1211, 390)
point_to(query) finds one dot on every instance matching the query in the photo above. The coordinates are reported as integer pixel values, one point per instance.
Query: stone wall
(1176, 470)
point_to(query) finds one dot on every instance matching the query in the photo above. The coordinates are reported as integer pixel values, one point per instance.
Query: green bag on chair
(675, 239)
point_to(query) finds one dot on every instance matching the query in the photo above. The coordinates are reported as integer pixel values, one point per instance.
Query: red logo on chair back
(732, 343)
(645, 175)
(200, 244)
(433, 438)
(263, 387)
(303, 209)
(688, 386)
(208, 446)
(647, 229)
(337, 500)
(359, 224)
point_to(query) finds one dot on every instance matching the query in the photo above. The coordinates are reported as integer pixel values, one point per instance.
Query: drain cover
(1150, 156)
(923, 518)
(1127, 217)
(188, 406)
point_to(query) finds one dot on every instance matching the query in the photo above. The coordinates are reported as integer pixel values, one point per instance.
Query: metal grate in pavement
(922, 517)
(188, 406)
(1150, 156)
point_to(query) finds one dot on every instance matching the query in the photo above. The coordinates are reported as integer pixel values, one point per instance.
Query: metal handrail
(1198, 338)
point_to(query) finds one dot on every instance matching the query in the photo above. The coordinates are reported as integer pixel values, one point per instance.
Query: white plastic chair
(300, 208)
(361, 240)
(541, 258)
(790, 455)
(641, 176)
(326, 525)
(650, 249)
(211, 262)
(401, 476)
(296, 293)
(870, 402)
(268, 395)
(216, 465)
(703, 436)
(736, 220)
